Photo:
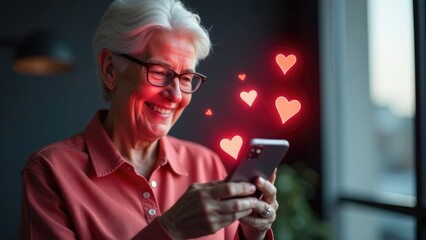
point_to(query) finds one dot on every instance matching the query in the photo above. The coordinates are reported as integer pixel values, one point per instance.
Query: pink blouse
(82, 188)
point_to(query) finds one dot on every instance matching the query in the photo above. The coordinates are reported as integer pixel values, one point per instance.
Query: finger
(226, 212)
(268, 190)
(226, 219)
(261, 224)
(216, 182)
(227, 190)
(273, 177)
(265, 211)
(207, 184)
(242, 214)
(235, 205)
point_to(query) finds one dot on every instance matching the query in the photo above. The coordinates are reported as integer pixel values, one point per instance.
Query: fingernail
(252, 188)
(262, 180)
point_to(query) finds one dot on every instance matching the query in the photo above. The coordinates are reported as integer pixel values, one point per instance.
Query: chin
(160, 130)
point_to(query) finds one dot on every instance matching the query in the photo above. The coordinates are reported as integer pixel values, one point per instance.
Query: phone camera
(254, 152)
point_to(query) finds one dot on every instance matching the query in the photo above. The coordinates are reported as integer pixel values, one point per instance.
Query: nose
(173, 91)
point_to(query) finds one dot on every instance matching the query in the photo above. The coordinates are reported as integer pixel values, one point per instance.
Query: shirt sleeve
(153, 230)
(43, 212)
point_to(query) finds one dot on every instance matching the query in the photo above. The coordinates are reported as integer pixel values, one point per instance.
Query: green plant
(296, 220)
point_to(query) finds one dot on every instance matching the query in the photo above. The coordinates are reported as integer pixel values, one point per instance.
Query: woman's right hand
(205, 208)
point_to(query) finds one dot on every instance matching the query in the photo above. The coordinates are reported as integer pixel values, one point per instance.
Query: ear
(107, 70)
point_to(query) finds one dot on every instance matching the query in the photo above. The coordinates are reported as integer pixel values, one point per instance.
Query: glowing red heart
(208, 112)
(249, 97)
(287, 109)
(284, 62)
(233, 146)
(242, 76)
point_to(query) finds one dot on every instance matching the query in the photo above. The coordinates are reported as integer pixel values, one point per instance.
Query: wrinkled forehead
(169, 47)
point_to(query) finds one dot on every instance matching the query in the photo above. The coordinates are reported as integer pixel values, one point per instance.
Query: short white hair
(128, 25)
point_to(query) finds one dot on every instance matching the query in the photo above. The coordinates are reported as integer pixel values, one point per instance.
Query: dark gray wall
(247, 34)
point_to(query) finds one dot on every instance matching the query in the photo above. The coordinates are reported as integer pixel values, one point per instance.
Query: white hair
(127, 27)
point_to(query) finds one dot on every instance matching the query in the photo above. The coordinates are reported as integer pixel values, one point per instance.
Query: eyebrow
(188, 70)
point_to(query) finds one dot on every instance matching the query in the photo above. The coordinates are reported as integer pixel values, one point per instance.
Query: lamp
(41, 54)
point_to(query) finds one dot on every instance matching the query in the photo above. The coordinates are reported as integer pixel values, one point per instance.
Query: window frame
(331, 29)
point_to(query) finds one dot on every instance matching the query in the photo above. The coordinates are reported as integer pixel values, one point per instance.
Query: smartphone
(261, 158)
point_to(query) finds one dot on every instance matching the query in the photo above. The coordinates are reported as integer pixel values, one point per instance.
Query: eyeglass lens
(161, 76)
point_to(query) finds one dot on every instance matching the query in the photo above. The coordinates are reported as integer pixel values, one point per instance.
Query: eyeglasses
(161, 76)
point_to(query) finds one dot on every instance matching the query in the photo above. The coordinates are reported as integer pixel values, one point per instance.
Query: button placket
(146, 195)
(152, 212)
(147, 198)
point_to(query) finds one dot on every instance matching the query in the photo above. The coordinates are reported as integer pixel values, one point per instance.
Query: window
(373, 77)
(362, 222)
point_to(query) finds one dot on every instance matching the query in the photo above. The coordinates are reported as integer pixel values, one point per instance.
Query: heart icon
(286, 109)
(284, 62)
(233, 146)
(208, 112)
(242, 76)
(249, 97)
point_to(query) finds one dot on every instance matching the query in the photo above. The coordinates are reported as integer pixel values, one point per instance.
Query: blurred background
(354, 169)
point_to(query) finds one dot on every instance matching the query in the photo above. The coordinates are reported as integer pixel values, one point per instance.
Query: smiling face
(144, 111)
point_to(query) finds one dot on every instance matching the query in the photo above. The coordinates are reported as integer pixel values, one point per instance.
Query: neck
(140, 153)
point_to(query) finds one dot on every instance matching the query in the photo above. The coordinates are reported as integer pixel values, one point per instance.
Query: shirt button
(146, 195)
(153, 184)
(152, 212)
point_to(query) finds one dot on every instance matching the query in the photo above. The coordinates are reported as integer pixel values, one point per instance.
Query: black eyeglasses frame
(175, 74)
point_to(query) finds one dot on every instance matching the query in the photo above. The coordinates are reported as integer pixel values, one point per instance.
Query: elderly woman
(123, 177)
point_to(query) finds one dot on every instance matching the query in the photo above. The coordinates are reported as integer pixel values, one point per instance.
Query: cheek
(182, 105)
(135, 81)
(141, 89)
(186, 99)
(128, 83)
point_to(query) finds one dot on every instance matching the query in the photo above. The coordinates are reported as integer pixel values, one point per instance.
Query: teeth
(161, 110)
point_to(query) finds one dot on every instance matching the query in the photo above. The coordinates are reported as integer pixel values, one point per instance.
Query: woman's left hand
(257, 224)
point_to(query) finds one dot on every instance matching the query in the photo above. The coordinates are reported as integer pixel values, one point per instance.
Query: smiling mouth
(158, 109)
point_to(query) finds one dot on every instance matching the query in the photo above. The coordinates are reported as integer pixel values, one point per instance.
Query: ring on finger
(267, 212)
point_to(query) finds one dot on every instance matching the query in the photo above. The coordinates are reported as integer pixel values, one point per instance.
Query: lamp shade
(42, 54)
